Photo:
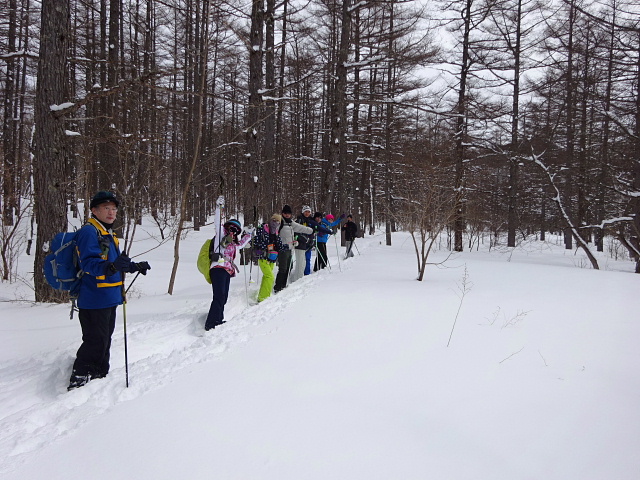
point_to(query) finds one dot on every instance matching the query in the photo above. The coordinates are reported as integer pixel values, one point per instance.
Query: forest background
(512, 118)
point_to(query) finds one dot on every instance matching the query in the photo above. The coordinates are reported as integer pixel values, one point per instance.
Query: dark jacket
(263, 239)
(350, 231)
(97, 248)
(305, 242)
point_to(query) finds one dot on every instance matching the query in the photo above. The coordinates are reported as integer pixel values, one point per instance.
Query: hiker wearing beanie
(288, 229)
(101, 288)
(321, 240)
(267, 245)
(305, 244)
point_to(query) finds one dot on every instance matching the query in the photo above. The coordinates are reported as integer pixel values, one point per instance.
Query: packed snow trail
(36, 407)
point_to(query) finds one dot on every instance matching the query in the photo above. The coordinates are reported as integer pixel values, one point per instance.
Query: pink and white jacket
(229, 254)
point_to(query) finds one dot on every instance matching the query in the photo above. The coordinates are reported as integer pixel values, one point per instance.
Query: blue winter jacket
(97, 248)
(324, 237)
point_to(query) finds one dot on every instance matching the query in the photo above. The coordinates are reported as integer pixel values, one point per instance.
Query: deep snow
(344, 375)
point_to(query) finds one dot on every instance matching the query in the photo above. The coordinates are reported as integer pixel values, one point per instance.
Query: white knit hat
(306, 208)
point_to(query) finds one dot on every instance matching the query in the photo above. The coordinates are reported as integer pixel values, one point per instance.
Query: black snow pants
(97, 328)
(321, 257)
(284, 268)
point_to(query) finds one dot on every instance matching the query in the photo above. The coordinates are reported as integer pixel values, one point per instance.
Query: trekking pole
(124, 324)
(338, 253)
(321, 257)
(126, 353)
(134, 279)
(290, 266)
(353, 244)
(246, 288)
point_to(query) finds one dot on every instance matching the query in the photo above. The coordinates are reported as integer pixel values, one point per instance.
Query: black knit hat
(317, 214)
(103, 196)
(287, 209)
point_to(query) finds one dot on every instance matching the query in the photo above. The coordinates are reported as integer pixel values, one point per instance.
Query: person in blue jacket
(101, 288)
(305, 244)
(322, 239)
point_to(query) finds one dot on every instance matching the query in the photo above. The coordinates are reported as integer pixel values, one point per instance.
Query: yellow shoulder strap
(102, 230)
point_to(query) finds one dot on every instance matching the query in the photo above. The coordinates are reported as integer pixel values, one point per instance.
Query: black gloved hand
(121, 264)
(142, 267)
(342, 216)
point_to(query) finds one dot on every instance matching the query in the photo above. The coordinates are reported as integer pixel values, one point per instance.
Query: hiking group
(280, 242)
(90, 266)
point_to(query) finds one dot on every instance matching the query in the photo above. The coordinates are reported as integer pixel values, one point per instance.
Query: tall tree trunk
(512, 220)
(459, 185)
(582, 207)
(253, 199)
(200, 101)
(606, 131)
(283, 57)
(24, 126)
(338, 144)
(9, 137)
(50, 149)
(269, 172)
(108, 154)
(568, 190)
(636, 163)
(389, 123)
(353, 197)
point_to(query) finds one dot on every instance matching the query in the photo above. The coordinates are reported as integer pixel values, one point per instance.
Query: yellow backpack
(204, 260)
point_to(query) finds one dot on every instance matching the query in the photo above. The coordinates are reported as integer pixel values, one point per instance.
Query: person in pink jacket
(219, 256)
(216, 262)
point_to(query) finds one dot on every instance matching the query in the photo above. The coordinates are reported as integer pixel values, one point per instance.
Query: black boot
(77, 380)
(207, 328)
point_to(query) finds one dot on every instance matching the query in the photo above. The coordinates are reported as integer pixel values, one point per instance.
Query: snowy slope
(344, 375)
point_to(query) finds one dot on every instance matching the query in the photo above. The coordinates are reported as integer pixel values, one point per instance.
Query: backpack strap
(73, 296)
(104, 242)
(213, 255)
(103, 233)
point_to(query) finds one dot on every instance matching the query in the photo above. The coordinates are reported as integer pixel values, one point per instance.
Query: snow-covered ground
(344, 375)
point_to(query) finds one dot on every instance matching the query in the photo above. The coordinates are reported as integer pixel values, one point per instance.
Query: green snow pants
(268, 279)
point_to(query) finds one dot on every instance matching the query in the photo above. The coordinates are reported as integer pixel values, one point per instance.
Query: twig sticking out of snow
(463, 288)
(514, 353)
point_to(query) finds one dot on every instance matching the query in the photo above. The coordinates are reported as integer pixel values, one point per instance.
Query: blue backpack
(61, 266)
